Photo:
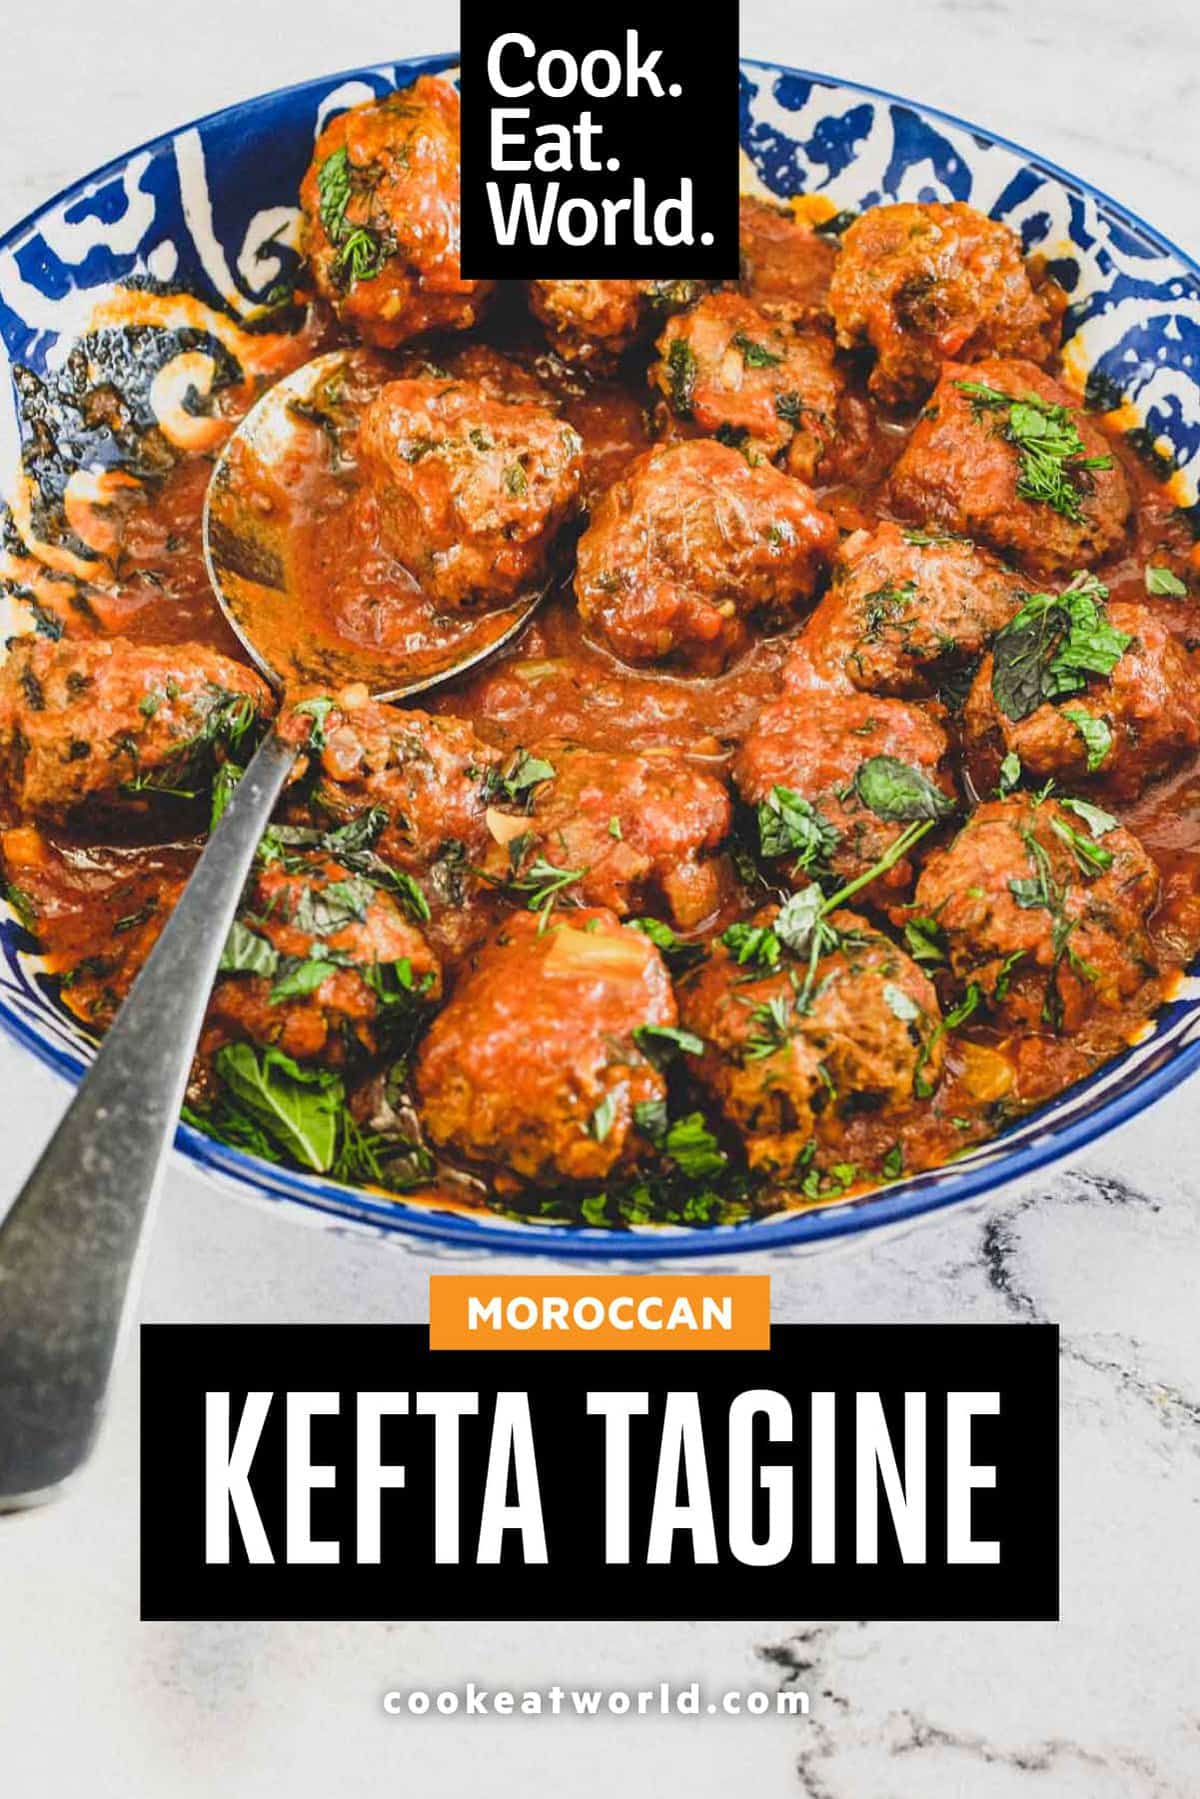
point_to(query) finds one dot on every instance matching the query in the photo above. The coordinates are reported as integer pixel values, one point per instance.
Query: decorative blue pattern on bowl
(211, 209)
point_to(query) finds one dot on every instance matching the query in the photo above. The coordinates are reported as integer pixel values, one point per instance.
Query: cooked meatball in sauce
(1004, 454)
(922, 285)
(381, 217)
(687, 546)
(838, 805)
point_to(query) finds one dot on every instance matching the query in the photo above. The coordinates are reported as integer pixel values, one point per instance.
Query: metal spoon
(70, 1243)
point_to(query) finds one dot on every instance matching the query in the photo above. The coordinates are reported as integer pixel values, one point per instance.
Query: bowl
(211, 209)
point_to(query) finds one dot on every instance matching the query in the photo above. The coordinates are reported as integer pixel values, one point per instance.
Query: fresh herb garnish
(1165, 583)
(755, 943)
(788, 824)
(755, 355)
(360, 254)
(1010, 774)
(297, 1108)
(671, 947)
(520, 775)
(1053, 466)
(682, 370)
(1098, 821)
(1050, 647)
(661, 1043)
(1096, 733)
(898, 792)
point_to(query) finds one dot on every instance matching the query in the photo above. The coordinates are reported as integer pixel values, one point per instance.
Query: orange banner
(468, 1311)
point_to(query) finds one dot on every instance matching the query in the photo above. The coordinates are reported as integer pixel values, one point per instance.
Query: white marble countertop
(1102, 1705)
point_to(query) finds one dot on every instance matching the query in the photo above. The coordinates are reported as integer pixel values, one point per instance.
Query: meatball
(1003, 454)
(381, 217)
(641, 828)
(595, 322)
(905, 610)
(786, 264)
(536, 1062)
(471, 492)
(108, 719)
(321, 963)
(759, 384)
(422, 784)
(796, 1053)
(802, 766)
(921, 284)
(1123, 728)
(690, 543)
(1042, 918)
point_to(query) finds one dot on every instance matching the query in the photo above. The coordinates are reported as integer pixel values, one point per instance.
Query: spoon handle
(69, 1243)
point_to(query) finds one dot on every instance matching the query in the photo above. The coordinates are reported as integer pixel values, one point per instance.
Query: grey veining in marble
(1103, 1705)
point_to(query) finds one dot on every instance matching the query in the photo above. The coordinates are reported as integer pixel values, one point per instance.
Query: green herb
(224, 785)
(672, 947)
(520, 776)
(515, 479)
(297, 1108)
(893, 1163)
(958, 1015)
(1098, 821)
(323, 911)
(693, 1148)
(1091, 856)
(789, 409)
(543, 883)
(333, 193)
(788, 824)
(923, 937)
(245, 952)
(898, 792)
(661, 1043)
(1052, 645)
(614, 827)
(318, 710)
(602, 1118)
(1010, 774)
(1164, 583)
(302, 978)
(1096, 733)
(1053, 466)
(752, 943)
(682, 371)
(755, 356)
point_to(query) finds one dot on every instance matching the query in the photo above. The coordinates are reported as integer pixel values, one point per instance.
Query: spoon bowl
(250, 528)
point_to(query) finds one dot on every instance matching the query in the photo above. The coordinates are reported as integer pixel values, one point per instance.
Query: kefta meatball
(418, 788)
(759, 384)
(637, 831)
(113, 720)
(786, 263)
(1038, 914)
(688, 545)
(1003, 454)
(802, 1046)
(1122, 705)
(838, 780)
(322, 962)
(905, 610)
(922, 284)
(471, 492)
(595, 322)
(381, 217)
(537, 1062)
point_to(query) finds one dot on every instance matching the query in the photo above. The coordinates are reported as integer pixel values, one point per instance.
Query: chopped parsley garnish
(755, 355)
(752, 943)
(1010, 774)
(1054, 468)
(1050, 647)
(682, 370)
(898, 792)
(1098, 821)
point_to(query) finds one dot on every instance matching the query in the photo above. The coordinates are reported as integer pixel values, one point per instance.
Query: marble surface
(1099, 1706)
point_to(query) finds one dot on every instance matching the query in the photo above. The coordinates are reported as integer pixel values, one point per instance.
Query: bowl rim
(400, 1220)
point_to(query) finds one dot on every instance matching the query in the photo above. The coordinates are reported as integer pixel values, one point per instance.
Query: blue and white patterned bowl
(212, 209)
